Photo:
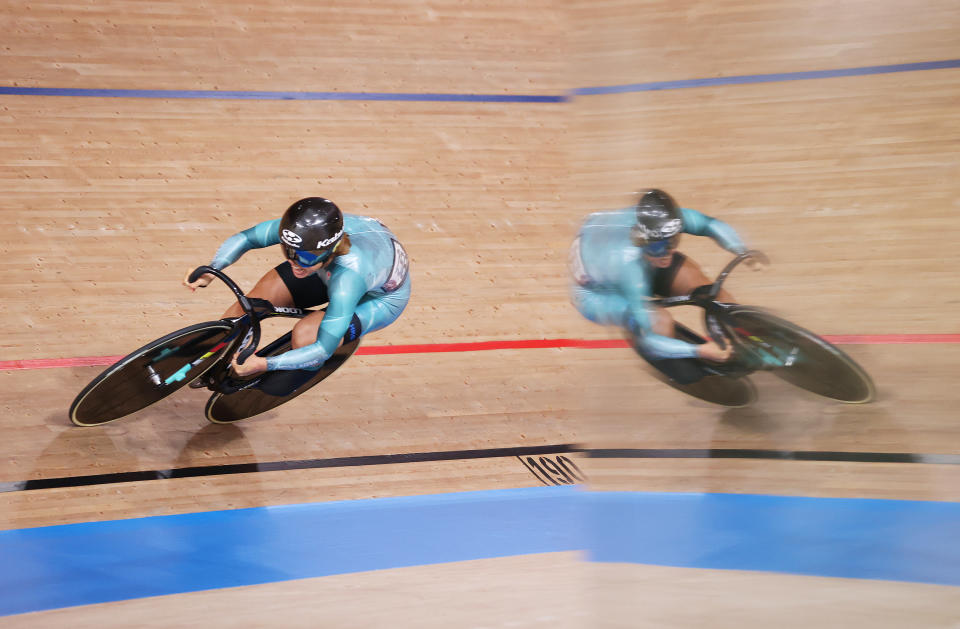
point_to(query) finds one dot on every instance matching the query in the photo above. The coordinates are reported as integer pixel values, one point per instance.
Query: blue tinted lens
(660, 248)
(305, 258)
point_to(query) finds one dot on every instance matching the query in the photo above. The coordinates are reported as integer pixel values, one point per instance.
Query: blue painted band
(81, 564)
(765, 78)
(78, 564)
(252, 95)
(897, 540)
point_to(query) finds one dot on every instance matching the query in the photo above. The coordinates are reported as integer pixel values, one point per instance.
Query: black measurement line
(463, 455)
(774, 455)
(276, 466)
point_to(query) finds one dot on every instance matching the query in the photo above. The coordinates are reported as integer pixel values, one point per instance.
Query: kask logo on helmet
(329, 241)
(666, 230)
(290, 238)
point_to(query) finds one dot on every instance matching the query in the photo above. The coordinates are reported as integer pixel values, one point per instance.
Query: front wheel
(798, 356)
(152, 373)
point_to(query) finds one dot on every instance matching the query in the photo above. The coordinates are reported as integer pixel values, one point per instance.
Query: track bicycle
(763, 342)
(202, 353)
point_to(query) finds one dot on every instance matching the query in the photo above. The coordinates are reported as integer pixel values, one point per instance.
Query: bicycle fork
(180, 374)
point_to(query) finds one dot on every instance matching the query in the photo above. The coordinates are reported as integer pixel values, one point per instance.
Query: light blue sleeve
(345, 289)
(700, 224)
(634, 286)
(666, 347)
(261, 235)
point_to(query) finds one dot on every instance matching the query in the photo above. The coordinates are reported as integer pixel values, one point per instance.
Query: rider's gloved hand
(713, 352)
(754, 264)
(757, 261)
(202, 281)
(251, 366)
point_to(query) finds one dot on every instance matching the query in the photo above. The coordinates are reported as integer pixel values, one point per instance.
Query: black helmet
(311, 227)
(658, 218)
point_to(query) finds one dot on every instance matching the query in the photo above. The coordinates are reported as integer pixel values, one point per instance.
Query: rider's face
(306, 263)
(660, 262)
(659, 254)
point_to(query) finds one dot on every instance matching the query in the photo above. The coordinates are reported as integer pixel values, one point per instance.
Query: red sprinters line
(434, 348)
(48, 363)
(890, 339)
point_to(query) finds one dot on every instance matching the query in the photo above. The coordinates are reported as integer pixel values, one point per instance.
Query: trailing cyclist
(620, 259)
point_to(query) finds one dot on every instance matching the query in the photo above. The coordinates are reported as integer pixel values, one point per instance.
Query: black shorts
(307, 291)
(310, 291)
(663, 278)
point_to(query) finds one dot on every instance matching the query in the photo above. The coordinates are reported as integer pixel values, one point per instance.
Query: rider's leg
(270, 287)
(681, 277)
(680, 370)
(373, 313)
(376, 312)
(600, 306)
(284, 382)
(610, 308)
(667, 280)
(664, 279)
(281, 288)
(688, 276)
(306, 330)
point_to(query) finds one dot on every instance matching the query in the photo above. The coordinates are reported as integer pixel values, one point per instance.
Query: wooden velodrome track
(849, 183)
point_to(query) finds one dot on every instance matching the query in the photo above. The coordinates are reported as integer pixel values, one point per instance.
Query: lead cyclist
(352, 263)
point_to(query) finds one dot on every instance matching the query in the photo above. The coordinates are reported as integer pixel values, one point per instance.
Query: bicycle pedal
(728, 370)
(232, 384)
(200, 383)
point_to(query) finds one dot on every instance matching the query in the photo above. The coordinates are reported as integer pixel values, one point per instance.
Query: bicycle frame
(764, 341)
(247, 325)
(705, 297)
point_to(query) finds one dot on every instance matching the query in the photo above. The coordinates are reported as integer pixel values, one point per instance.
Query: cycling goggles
(307, 258)
(660, 248)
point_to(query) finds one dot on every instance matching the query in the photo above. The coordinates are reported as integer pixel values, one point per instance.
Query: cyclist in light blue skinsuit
(621, 259)
(353, 262)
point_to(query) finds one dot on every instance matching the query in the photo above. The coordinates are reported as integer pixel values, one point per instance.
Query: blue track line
(654, 86)
(482, 98)
(253, 95)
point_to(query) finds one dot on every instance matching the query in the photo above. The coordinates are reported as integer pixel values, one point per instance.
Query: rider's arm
(657, 346)
(345, 292)
(257, 237)
(700, 224)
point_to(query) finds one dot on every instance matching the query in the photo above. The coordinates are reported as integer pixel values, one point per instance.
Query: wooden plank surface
(849, 184)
